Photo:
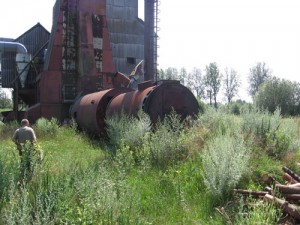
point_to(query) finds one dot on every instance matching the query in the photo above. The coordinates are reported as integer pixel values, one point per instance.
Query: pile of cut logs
(285, 196)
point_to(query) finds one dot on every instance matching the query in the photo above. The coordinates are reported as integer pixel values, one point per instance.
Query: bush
(258, 213)
(283, 140)
(46, 127)
(165, 145)
(218, 121)
(7, 129)
(31, 159)
(125, 130)
(225, 160)
(261, 123)
(234, 107)
(276, 135)
(1, 126)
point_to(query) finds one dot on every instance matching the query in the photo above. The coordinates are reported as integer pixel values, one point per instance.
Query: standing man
(23, 134)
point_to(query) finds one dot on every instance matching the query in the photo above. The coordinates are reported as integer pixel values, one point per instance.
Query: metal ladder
(70, 55)
(156, 37)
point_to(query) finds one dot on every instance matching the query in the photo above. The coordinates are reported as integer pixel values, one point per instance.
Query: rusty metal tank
(89, 110)
(157, 100)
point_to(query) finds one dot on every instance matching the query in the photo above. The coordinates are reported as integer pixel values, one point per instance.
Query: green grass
(137, 181)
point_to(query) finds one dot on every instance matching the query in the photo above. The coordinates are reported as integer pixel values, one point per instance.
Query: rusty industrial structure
(98, 59)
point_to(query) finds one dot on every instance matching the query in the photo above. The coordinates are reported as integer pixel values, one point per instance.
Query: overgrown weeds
(165, 146)
(166, 173)
(225, 160)
(126, 130)
(252, 211)
(44, 127)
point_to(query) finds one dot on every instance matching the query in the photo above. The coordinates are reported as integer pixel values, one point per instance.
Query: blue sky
(233, 33)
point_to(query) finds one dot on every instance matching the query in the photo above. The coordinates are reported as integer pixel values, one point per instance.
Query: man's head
(24, 122)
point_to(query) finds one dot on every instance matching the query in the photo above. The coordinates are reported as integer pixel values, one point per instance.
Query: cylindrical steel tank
(156, 100)
(22, 60)
(89, 110)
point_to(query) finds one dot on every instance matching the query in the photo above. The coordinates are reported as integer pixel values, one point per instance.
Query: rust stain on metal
(157, 101)
(89, 110)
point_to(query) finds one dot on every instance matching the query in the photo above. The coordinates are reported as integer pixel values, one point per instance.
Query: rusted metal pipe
(120, 80)
(89, 110)
(156, 100)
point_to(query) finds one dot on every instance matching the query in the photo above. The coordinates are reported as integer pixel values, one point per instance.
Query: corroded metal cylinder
(89, 110)
(156, 100)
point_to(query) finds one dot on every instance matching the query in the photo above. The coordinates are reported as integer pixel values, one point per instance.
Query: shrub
(125, 130)
(7, 129)
(218, 121)
(45, 127)
(125, 160)
(31, 158)
(283, 140)
(272, 133)
(2, 126)
(9, 170)
(225, 160)
(261, 123)
(256, 212)
(165, 145)
(32, 203)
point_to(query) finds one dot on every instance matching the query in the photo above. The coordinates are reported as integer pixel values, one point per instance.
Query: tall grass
(220, 122)
(125, 130)
(173, 174)
(252, 211)
(160, 147)
(7, 130)
(165, 146)
(276, 135)
(46, 127)
(261, 123)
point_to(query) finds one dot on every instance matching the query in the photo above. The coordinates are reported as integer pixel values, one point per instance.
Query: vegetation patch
(165, 173)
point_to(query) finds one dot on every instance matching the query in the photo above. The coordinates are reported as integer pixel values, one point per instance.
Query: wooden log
(268, 189)
(296, 185)
(286, 207)
(254, 194)
(291, 173)
(267, 179)
(294, 197)
(289, 178)
(224, 214)
(288, 189)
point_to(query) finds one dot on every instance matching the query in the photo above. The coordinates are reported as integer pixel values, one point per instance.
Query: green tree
(5, 101)
(170, 73)
(258, 74)
(275, 93)
(182, 76)
(297, 98)
(213, 81)
(195, 82)
(231, 84)
(161, 75)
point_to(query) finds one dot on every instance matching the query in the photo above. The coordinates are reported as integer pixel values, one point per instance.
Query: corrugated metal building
(126, 32)
(1, 56)
(34, 40)
(90, 41)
